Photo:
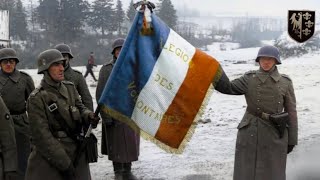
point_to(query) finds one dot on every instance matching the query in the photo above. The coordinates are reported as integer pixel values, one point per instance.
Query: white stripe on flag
(166, 78)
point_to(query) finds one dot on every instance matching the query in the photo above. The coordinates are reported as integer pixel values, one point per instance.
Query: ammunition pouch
(280, 121)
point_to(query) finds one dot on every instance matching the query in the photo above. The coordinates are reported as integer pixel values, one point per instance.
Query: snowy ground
(210, 153)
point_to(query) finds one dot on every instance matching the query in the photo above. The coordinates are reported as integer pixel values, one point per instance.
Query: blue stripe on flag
(134, 65)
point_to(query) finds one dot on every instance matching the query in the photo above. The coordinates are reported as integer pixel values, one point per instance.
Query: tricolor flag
(160, 84)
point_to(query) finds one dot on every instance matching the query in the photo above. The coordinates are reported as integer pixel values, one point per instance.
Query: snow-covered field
(210, 153)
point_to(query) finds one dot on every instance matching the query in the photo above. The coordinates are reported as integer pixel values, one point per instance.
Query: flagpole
(96, 113)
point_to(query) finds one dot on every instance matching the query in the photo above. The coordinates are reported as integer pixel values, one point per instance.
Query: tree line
(85, 27)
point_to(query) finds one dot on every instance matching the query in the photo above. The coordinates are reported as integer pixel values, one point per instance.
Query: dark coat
(15, 90)
(119, 141)
(53, 149)
(260, 153)
(8, 148)
(80, 83)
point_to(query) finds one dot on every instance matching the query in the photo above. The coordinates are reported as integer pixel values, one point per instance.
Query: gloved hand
(94, 120)
(290, 148)
(69, 174)
(11, 175)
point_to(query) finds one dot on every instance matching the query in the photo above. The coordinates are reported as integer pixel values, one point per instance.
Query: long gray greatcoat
(80, 83)
(118, 141)
(8, 148)
(53, 148)
(15, 89)
(260, 153)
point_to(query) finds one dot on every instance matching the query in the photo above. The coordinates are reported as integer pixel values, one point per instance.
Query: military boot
(127, 172)
(118, 169)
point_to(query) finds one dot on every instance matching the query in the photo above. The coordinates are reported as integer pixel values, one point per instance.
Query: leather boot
(127, 172)
(118, 169)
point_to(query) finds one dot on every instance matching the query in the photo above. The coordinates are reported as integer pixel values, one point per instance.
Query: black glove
(11, 175)
(290, 148)
(69, 174)
(94, 120)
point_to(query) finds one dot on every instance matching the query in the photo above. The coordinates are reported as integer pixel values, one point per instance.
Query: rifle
(88, 144)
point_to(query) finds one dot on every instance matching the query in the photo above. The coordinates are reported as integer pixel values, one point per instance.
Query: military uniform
(80, 83)
(119, 141)
(8, 149)
(260, 153)
(54, 149)
(75, 76)
(15, 89)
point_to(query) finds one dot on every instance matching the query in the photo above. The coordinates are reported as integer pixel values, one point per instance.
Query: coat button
(258, 108)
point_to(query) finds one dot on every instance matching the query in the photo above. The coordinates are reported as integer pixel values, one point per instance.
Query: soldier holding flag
(268, 130)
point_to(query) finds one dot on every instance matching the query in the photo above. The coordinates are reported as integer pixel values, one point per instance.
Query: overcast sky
(237, 7)
(243, 7)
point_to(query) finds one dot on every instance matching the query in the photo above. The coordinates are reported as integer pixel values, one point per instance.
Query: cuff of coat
(10, 161)
(85, 116)
(292, 136)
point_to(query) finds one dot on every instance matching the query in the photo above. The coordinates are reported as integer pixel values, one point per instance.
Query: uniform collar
(273, 73)
(58, 86)
(68, 71)
(15, 76)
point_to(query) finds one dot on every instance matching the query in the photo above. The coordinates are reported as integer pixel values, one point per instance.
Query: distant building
(4, 29)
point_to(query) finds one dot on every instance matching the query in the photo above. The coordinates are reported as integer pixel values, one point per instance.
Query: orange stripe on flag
(180, 115)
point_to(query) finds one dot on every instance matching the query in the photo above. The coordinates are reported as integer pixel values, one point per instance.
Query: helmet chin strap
(49, 79)
(270, 70)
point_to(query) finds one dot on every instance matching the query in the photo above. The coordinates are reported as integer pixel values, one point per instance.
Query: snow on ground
(210, 153)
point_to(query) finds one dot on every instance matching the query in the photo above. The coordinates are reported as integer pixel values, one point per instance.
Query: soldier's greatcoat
(8, 148)
(15, 89)
(118, 141)
(260, 153)
(54, 149)
(80, 83)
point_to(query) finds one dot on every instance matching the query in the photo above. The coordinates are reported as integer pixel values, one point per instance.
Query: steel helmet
(47, 57)
(269, 51)
(8, 53)
(117, 43)
(64, 49)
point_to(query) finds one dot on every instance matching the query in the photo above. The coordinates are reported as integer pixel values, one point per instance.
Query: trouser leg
(91, 72)
(127, 172)
(118, 169)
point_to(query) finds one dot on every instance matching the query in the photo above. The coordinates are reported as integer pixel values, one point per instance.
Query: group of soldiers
(41, 129)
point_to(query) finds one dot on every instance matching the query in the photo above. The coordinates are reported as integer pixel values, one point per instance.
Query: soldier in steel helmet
(119, 141)
(268, 130)
(57, 116)
(15, 87)
(8, 148)
(75, 76)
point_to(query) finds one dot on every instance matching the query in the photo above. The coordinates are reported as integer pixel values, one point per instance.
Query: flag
(159, 84)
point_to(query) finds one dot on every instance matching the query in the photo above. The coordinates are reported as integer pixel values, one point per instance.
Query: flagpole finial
(144, 4)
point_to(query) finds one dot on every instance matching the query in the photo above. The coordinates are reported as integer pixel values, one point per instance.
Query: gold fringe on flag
(186, 139)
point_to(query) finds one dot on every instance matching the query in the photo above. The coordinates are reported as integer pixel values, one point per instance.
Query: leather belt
(17, 112)
(262, 115)
(60, 134)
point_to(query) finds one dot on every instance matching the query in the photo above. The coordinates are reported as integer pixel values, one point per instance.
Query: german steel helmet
(64, 49)
(8, 53)
(269, 51)
(117, 43)
(47, 57)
